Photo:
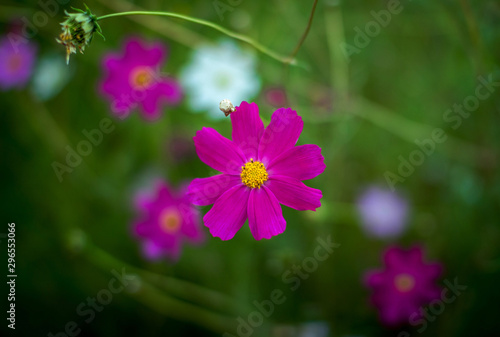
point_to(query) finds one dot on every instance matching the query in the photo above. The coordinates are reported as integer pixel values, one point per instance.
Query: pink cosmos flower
(167, 218)
(16, 63)
(261, 169)
(133, 80)
(404, 286)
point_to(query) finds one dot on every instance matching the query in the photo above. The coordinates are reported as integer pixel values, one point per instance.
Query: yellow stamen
(141, 77)
(404, 282)
(253, 174)
(170, 220)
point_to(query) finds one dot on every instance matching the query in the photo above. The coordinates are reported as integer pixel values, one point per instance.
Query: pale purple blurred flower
(383, 213)
(16, 63)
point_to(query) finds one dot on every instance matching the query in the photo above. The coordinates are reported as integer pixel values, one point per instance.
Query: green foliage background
(70, 235)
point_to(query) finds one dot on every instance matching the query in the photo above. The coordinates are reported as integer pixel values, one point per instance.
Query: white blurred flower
(51, 75)
(216, 72)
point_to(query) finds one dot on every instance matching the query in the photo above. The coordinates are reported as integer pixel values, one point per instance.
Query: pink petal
(143, 201)
(432, 271)
(152, 99)
(390, 313)
(218, 152)
(152, 251)
(191, 222)
(247, 129)
(300, 162)
(228, 213)
(170, 90)
(205, 191)
(264, 214)
(374, 279)
(151, 105)
(280, 135)
(164, 193)
(174, 253)
(138, 52)
(293, 193)
(394, 258)
(143, 228)
(414, 255)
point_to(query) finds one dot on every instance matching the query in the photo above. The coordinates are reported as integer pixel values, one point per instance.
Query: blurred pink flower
(404, 285)
(384, 214)
(167, 218)
(275, 96)
(16, 63)
(261, 169)
(133, 79)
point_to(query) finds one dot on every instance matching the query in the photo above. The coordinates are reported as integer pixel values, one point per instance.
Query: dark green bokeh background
(70, 235)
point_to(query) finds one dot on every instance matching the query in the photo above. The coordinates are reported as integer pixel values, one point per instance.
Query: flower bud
(226, 107)
(78, 30)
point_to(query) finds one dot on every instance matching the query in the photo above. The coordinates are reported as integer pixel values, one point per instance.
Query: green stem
(181, 289)
(244, 38)
(152, 297)
(304, 36)
(339, 68)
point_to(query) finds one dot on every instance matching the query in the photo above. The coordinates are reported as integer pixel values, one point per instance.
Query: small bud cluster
(226, 107)
(78, 30)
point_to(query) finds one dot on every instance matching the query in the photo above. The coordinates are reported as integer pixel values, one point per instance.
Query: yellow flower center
(141, 78)
(253, 174)
(404, 282)
(170, 220)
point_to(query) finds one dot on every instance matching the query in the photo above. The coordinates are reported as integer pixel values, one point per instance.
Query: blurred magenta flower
(404, 285)
(261, 168)
(383, 213)
(275, 96)
(216, 72)
(167, 218)
(16, 63)
(133, 79)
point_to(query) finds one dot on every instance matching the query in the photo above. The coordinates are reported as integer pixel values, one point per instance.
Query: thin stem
(165, 304)
(304, 36)
(178, 288)
(339, 68)
(409, 131)
(172, 30)
(244, 38)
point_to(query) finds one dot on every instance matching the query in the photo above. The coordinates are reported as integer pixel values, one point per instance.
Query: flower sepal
(78, 31)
